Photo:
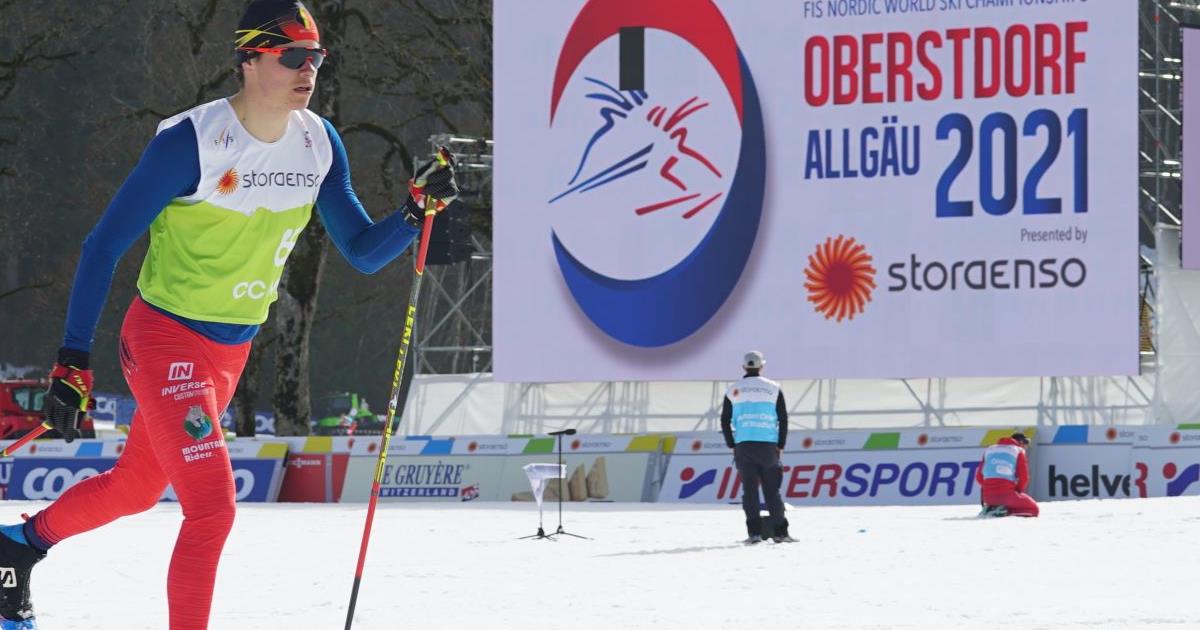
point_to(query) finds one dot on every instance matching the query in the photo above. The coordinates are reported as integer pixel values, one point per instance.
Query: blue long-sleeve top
(170, 168)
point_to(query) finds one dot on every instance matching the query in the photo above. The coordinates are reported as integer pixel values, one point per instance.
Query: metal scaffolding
(1160, 57)
(454, 335)
(1160, 144)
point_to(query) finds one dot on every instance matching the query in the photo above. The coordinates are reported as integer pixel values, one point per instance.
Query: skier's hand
(70, 395)
(433, 184)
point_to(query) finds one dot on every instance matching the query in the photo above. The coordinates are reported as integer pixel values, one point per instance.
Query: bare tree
(32, 45)
(397, 72)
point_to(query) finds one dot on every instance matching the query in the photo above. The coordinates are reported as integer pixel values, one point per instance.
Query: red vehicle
(22, 407)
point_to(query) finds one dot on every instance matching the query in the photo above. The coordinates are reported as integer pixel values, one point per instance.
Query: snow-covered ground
(1095, 564)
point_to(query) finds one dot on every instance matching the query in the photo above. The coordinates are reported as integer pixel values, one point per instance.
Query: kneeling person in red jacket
(1003, 476)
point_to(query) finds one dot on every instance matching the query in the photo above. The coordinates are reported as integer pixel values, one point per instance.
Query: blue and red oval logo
(678, 170)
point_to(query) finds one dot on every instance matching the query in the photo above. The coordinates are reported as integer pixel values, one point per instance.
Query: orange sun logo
(840, 278)
(228, 182)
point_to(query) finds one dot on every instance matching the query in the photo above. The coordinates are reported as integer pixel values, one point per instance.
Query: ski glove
(70, 395)
(435, 181)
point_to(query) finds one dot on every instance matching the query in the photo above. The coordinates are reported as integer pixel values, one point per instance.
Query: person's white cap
(754, 360)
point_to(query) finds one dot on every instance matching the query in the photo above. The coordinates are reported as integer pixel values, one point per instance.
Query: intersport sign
(910, 467)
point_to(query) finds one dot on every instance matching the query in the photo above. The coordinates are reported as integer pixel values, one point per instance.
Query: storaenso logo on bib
(197, 423)
(228, 182)
(279, 179)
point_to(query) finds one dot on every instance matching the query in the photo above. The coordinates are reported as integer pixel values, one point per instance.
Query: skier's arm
(366, 245)
(726, 418)
(781, 413)
(169, 168)
(979, 470)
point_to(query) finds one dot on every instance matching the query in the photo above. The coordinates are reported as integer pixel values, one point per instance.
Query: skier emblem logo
(8, 577)
(225, 138)
(678, 164)
(197, 423)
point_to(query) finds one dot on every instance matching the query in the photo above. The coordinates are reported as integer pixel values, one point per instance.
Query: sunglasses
(294, 58)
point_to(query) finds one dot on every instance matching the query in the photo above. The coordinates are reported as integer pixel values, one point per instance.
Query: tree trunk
(298, 289)
(246, 397)
(294, 315)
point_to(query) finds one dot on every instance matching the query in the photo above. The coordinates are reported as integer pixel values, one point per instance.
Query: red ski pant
(1018, 503)
(182, 382)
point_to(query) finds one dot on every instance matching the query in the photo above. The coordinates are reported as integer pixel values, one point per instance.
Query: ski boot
(17, 558)
(993, 511)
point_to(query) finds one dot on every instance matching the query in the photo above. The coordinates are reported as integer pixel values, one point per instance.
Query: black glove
(70, 395)
(433, 181)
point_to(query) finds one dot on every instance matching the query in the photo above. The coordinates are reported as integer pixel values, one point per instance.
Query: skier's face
(285, 87)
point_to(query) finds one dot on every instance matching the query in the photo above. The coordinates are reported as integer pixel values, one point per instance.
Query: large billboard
(1190, 258)
(860, 189)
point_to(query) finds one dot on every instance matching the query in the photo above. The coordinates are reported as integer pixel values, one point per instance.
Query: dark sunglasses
(294, 58)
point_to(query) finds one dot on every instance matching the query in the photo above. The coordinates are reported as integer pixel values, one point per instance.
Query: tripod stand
(538, 475)
(560, 530)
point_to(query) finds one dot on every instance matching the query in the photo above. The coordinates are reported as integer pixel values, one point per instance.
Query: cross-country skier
(754, 421)
(1003, 476)
(224, 190)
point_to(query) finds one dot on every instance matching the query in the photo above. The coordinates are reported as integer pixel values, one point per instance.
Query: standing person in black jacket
(754, 421)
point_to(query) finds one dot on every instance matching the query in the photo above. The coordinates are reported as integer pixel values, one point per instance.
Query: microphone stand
(562, 486)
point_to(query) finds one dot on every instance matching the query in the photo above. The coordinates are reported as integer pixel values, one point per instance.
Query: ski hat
(754, 360)
(273, 23)
(1020, 438)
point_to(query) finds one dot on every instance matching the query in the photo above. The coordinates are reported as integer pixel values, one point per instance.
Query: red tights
(182, 382)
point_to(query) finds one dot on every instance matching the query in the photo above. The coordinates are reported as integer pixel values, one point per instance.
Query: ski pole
(33, 434)
(443, 156)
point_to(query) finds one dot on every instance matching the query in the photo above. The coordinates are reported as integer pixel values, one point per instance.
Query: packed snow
(1093, 564)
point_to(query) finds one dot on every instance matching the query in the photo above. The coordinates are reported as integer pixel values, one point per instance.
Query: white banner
(1083, 462)
(451, 478)
(1166, 461)
(609, 477)
(909, 467)
(875, 188)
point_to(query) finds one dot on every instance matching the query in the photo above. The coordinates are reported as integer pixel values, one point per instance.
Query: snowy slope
(1097, 564)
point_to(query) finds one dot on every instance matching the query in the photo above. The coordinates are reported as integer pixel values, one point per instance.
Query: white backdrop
(659, 234)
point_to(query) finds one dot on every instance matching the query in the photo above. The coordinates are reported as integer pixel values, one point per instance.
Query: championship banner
(1166, 461)
(315, 469)
(1083, 462)
(452, 478)
(620, 477)
(44, 470)
(868, 188)
(599, 467)
(910, 467)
